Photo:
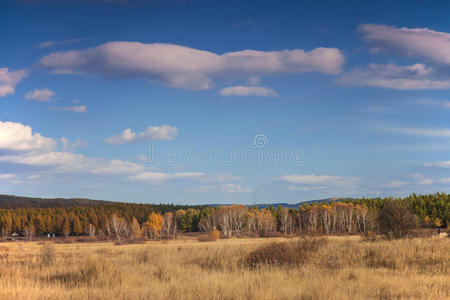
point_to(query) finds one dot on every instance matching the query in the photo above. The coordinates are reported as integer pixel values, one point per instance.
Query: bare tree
(29, 232)
(118, 227)
(326, 218)
(250, 221)
(285, 220)
(90, 230)
(169, 225)
(224, 221)
(207, 223)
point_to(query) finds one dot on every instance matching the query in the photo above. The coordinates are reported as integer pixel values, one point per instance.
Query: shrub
(282, 254)
(395, 219)
(209, 237)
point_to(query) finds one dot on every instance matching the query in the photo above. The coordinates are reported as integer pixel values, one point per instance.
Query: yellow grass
(344, 268)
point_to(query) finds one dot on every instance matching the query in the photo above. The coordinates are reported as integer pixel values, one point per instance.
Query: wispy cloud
(396, 184)
(412, 42)
(442, 164)
(164, 132)
(311, 181)
(226, 188)
(48, 44)
(444, 180)
(429, 45)
(248, 91)
(413, 77)
(78, 143)
(76, 108)
(430, 132)
(436, 103)
(40, 95)
(9, 80)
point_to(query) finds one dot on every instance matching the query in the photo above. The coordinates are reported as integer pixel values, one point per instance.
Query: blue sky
(214, 102)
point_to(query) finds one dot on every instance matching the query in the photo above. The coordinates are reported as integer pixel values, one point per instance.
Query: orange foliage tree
(154, 225)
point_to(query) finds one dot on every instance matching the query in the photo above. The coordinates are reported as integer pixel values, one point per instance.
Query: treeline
(432, 210)
(125, 220)
(76, 220)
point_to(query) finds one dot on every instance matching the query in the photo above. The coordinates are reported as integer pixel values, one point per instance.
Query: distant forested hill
(11, 202)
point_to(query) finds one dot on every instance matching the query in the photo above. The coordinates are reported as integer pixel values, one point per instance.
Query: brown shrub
(271, 234)
(395, 219)
(209, 237)
(282, 254)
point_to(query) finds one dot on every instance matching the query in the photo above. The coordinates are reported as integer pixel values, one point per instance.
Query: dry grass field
(339, 268)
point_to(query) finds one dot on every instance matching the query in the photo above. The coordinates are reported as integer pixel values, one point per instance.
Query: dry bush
(395, 219)
(209, 237)
(271, 234)
(282, 253)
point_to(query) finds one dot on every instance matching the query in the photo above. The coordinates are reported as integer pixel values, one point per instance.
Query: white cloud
(159, 177)
(38, 153)
(225, 188)
(412, 42)
(116, 166)
(442, 164)
(189, 68)
(61, 161)
(19, 137)
(78, 143)
(248, 91)
(77, 108)
(318, 179)
(164, 132)
(433, 46)
(42, 95)
(235, 188)
(425, 181)
(48, 44)
(431, 132)
(7, 176)
(413, 77)
(305, 188)
(9, 80)
(396, 184)
(444, 180)
(220, 178)
(437, 103)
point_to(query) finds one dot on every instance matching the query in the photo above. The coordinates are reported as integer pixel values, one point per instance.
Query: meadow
(333, 267)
